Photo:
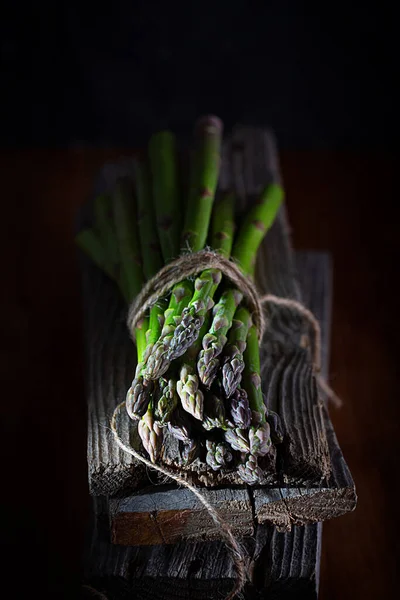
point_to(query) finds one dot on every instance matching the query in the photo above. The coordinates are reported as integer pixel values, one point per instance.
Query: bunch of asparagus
(198, 361)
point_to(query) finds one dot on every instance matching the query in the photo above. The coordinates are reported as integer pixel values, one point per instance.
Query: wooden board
(165, 517)
(304, 460)
(283, 565)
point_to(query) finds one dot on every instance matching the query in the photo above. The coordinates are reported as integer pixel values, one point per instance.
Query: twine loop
(186, 266)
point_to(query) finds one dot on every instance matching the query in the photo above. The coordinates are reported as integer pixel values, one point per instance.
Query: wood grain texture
(167, 517)
(249, 162)
(281, 565)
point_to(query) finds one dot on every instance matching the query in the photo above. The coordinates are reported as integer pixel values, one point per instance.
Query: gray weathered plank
(165, 517)
(282, 565)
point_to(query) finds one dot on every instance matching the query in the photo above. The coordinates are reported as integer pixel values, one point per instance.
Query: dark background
(79, 82)
(321, 74)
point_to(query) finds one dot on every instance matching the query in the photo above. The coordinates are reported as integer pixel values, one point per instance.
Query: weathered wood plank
(282, 565)
(166, 517)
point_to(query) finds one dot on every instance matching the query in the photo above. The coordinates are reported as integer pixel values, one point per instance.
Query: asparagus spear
(163, 161)
(192, 398)
(218, 455)
(222, 224)
(146, 219)
(138, 395)
(215, 340)
(259, 434)
(240, 409)
(167, 400)
(124, 206)
(179, 427)
(203, 183)
(259, 437)
(250, 235)
(238, 439)
(193, 316)
(275, 424)
(150, 433)
(255, 225)
(189, 452)
(249, 471)
(256, 440)
(214, 413)
(233, 362)
(251, 374)
(158, 360)
(104, 225)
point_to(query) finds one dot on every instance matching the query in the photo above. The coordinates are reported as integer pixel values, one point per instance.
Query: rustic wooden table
(43, 410)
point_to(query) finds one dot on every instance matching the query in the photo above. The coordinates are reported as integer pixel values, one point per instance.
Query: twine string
(239, 555)
(185, 266)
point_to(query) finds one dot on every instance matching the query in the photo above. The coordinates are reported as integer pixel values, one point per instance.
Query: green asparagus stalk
(218, 455)
(150, 245)
(223, 224)
(139, 393)
(179, 426)
(138, 396)
(256, 440)
(259, 433)
(275, 424)
(249, 471)
(104, 225)
(238, 439)
(125, 219)
(158, 360)
(255, 225)
(193, 316)
(203, 182)
(124, 206)
(259, 437)
(251, 374)
(239, 409)
(233, 361)
(150, 433)
(215, 340)
(192, 398)
(164, 170)
(147, 226)
(167, 400)
(89, 241)
(214, 416)
(189, 452)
